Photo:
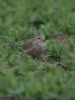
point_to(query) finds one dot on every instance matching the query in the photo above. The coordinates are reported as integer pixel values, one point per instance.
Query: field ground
(34, 79)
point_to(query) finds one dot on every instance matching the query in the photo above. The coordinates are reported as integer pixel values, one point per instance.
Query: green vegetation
(18, 73)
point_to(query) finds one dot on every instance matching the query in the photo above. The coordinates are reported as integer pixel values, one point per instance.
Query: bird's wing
(28, 44)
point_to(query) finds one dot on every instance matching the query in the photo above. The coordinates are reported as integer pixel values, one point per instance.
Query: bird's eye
(38, 38)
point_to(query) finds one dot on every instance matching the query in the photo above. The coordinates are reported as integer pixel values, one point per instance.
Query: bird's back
(34, 47)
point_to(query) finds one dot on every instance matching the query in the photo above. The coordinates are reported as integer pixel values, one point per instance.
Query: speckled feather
(35, 47)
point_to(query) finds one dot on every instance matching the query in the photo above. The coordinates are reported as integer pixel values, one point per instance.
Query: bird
(36, 46)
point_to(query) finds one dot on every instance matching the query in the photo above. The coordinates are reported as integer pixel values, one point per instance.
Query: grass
(32, 78)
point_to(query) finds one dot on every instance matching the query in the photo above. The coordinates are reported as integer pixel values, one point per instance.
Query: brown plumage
(36, 46)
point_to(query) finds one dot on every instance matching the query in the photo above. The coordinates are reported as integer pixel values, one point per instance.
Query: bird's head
(41, 37)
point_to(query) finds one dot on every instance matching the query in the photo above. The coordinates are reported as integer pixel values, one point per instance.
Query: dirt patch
(62, 39)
